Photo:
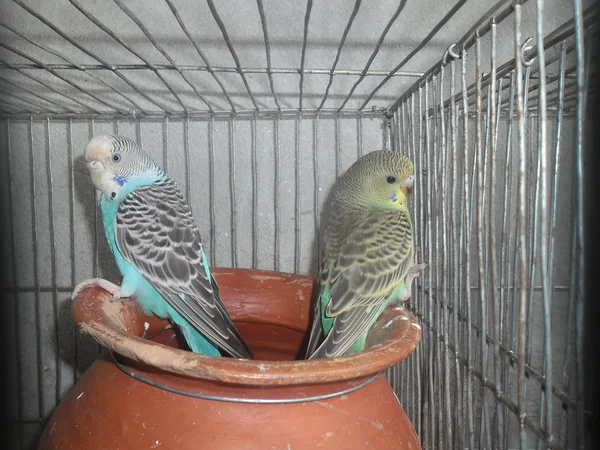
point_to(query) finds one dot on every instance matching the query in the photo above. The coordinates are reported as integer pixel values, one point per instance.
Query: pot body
(109, 409)
(153, 395)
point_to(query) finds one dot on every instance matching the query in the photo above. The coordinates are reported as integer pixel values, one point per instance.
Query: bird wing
(156, 232)
(372, 261)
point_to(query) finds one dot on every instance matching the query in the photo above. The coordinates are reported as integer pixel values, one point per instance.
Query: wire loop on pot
(133, 374)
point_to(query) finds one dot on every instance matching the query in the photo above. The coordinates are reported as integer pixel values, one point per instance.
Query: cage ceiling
(80, 58)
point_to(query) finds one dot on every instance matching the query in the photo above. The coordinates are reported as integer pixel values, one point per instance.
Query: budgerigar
(367, 255)
(157, 246)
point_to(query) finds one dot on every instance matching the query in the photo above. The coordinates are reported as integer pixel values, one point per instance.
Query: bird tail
(197, 342)
(316, 334)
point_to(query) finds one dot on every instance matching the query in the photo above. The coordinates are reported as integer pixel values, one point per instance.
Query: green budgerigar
(367, 252)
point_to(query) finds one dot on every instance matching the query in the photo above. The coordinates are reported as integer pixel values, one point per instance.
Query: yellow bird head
(380, 179)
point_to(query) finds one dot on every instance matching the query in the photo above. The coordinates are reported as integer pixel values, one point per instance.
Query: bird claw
(111, 288)
(413, 272)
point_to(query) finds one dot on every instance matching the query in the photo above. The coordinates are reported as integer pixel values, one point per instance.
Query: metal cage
(255, 108)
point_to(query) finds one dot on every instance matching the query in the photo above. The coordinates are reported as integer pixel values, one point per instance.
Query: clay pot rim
(97, 316)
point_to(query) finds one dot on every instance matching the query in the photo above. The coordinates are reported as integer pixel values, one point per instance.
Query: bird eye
(391, 179)
(116, 157)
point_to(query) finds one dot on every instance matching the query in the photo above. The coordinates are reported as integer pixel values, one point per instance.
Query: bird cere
(367, 260)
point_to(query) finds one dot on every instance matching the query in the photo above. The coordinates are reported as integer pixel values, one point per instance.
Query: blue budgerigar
(157, 246)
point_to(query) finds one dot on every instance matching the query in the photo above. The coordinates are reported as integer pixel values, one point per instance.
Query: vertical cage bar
(467, 246)
(494, 116)
(386, 133)
(276, 195)
(447, 425)
(13, 252)
(480, 234)
(428, 220)
(71, 170)
(58, 374)
(438, 300)
(138, 132)
(317, 189)
(579, 213)
(456, 261)
(255, 237)
(233, 212)
(421, 400)
(398, 132)
(211, 190)
(534, 234)
(409, 375)
(543, 158)
(507, 239)
(566, 379)
(187, 160)
(359, 133)
(338, 147)
(416, 144)
(91, 133)
(409, 124)
(165, 148)
(36, 276)
(297, 196)
(522, 237)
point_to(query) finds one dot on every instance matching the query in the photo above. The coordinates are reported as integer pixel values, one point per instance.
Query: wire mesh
(256, 144)
(500, 340)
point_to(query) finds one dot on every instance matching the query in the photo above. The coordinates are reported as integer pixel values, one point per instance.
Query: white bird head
(114, 161)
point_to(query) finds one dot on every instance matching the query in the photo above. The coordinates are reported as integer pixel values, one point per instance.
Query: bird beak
(407, 185)
(97, 172)
(94, 166)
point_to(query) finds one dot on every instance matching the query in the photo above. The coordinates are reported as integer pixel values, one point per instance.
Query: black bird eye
(116, 157)
(391, 179)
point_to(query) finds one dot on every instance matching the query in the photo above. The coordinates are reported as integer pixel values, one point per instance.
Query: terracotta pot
(151, 394)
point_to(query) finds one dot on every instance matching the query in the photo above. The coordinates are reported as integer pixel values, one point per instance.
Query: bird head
(381, 179)
(113, 161)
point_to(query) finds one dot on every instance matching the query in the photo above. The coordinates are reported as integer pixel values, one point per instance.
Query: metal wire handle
(135, 375)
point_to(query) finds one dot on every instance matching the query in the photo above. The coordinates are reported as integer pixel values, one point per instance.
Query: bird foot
(413, 272)
(111, 288)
